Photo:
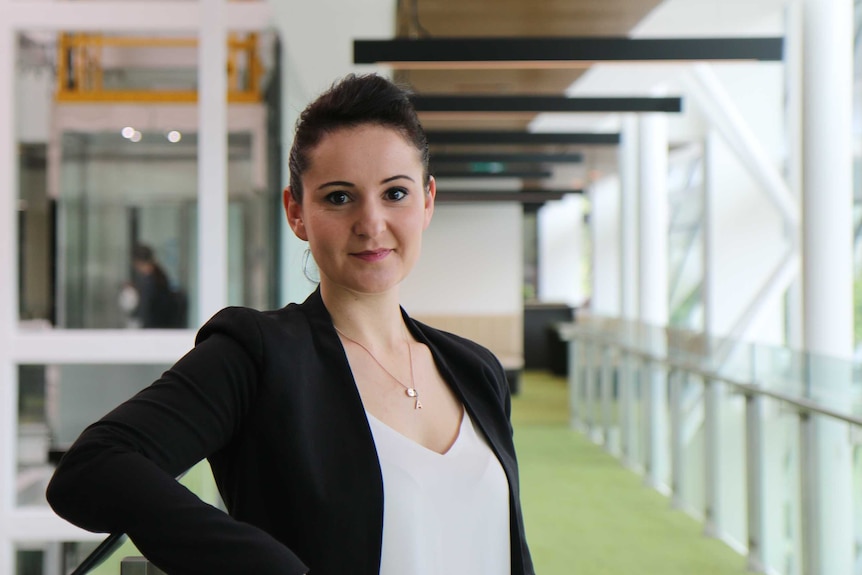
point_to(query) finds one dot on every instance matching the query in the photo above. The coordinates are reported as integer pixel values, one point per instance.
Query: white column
(8, 289)
(653, 219)
(630, 177)
(605, 233)
(8, 183)
(628, 292)
(653, 268)
(793, 87)
(707, 234)
(828, 274)
(212, 159)
(560, 225)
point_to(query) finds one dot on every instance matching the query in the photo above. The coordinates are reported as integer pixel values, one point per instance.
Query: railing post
(675, 378)
(712, 457)
(656, 439)
(807, 456)
(590, 391)
(606, 388)
(646, 383)
(754, 482)
(626, 409)
(575, 379)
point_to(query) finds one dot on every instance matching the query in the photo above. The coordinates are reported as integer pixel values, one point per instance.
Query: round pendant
(411, 392)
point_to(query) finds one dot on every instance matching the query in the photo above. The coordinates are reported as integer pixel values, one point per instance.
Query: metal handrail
(747, 388)
(667, 359)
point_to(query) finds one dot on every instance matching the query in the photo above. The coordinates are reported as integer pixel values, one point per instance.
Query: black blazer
(269, 399)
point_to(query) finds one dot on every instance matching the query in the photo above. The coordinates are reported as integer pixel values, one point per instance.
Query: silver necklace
(409, 390)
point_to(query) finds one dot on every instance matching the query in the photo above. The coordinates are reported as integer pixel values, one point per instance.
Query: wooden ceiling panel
(484, 18)
(541, 82)
(475, 122)
(512, 18)
(441, 18)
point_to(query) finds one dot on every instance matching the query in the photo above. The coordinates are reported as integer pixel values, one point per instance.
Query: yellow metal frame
(80, 72)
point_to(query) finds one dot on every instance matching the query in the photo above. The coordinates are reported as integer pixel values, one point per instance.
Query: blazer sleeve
(119, 476)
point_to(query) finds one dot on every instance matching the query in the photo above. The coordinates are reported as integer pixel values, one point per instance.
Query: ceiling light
(127, 132)
(174, 136)
(136, 136)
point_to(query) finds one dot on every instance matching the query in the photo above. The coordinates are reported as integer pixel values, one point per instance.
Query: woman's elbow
(72, 494)
(63, 494)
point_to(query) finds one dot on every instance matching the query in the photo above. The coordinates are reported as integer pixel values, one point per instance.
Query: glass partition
(784, 532)
(761, 402)
(55, 404)
(108, 193)
(108, 166)
(685, 251)
(125, 230)
(691, 489)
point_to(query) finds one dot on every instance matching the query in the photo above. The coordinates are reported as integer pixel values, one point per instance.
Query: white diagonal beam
(723, 114)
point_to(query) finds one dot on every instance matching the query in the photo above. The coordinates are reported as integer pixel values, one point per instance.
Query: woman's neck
(372, 319)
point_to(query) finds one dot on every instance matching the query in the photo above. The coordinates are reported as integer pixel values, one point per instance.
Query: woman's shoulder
(255, 330)
(240, 319)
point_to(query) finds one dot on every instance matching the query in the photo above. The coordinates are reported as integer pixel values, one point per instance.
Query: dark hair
(143, 253)
(350, 102)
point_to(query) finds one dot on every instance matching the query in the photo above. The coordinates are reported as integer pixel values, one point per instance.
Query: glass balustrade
(726, 422)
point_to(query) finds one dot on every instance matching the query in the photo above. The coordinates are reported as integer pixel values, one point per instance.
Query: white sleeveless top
(442, 514)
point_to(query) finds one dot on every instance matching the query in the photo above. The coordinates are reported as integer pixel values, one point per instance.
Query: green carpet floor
(586, 514)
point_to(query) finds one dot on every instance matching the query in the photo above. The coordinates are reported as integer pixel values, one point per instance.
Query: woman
(345, 437)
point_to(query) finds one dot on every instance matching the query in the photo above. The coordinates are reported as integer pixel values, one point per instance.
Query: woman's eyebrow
(399, 176)
(336, 183)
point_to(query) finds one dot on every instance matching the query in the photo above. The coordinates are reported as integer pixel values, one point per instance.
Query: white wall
(561, 245)
(472, 262)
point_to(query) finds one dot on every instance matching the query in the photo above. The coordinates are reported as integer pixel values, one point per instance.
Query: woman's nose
(370, 220)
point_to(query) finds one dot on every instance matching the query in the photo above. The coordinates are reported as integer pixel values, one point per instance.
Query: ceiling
(511, 18)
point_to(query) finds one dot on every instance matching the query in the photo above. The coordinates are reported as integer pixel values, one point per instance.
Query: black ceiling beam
(571, 51)
(523, 174)
(457, 137)
(525, 103)
(529, 158)
(521, 196)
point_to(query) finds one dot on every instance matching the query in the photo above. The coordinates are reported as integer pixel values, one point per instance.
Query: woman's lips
(372, 255)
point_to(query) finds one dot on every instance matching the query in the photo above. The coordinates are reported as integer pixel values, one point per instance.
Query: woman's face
(363, 209)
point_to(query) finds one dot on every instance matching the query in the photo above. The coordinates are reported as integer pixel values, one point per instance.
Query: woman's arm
(119, 475)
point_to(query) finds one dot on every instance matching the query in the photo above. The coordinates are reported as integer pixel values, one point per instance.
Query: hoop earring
(314, 276)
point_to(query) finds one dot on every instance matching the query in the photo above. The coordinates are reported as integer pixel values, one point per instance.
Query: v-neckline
(403, 438)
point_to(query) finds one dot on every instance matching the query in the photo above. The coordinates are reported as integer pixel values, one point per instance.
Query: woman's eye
(337, 198)
(396, 194)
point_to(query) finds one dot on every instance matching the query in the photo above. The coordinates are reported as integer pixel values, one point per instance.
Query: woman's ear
(293, 211)
(430, 195)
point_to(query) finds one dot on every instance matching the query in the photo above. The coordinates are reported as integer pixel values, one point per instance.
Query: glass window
(108, 189)
(55, 404)
(685, 251)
